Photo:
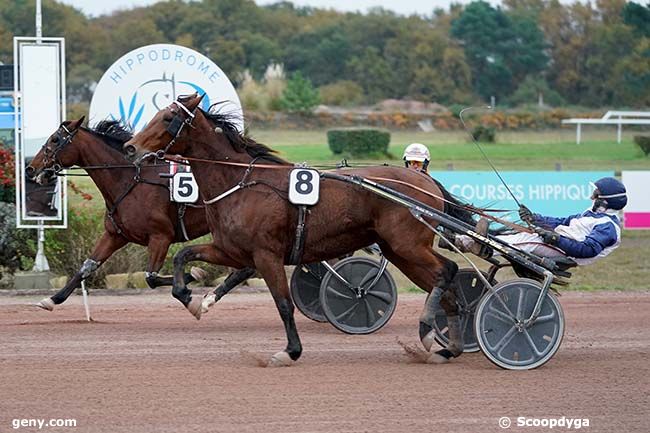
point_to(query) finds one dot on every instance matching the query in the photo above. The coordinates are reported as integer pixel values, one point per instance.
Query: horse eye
(55, 140)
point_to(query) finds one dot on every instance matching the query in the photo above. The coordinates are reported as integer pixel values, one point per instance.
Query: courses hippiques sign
(149, 78)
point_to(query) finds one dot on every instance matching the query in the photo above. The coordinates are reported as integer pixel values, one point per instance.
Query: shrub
(262, 95)
(484, 134)
(15, 244)
(342, 93)
(529, 90)
(7, 175)
(643, 141)
(300, 95)
(358, 141)
(456, 109)
(67, 249)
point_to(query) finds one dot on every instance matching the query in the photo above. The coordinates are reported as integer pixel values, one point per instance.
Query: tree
(300, 95)
(638, 17)
(81, 81)
(320, 54)
(429, 85)
(228, 54)
(530, 90)
(500, 49)
(374, 74)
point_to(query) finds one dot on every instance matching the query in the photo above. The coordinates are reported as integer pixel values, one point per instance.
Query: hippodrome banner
(149, 78)
(637, 211)
(552, 193)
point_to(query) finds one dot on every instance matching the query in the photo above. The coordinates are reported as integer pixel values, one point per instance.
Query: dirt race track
(146, 365)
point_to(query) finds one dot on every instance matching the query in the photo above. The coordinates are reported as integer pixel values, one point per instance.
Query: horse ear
(75, 124)
(195, 101)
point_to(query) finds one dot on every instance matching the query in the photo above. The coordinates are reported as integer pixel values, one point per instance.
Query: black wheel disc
(305, 290)
(502, 330)
(358, 308)
(469, 288)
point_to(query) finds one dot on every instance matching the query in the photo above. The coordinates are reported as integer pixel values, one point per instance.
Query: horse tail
(465, 211)
(456, 208)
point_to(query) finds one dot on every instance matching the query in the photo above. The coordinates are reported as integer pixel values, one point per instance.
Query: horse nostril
(129, 149)
(29, 171)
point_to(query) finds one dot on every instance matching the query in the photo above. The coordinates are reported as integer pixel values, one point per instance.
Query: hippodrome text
(160, 55)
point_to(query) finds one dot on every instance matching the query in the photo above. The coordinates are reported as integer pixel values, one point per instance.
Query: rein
(176, 126)
(98, 167)
(183, 160)
(473, 209)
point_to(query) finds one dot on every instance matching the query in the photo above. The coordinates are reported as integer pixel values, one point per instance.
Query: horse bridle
(51, 155)
(176, 126)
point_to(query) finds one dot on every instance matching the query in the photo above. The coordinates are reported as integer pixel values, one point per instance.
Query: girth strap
(299, 241)
(181, 221)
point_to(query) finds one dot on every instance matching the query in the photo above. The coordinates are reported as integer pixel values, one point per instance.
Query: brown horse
(138, 208)
(254, 226)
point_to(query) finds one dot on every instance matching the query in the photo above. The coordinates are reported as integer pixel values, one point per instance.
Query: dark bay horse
(254, 226)
(137, 210)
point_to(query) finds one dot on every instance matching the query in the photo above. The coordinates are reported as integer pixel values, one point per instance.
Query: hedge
(358, 141)
(484, 134)
(643, 141)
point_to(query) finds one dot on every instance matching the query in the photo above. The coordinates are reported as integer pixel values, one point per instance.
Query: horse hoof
(198, 274)
(194, 307)
(208, 301)
(281, 359)
(434, 358)
(440, 357)
(46, 304)
(428, 340)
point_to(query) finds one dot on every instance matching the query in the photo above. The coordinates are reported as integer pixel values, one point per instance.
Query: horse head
(56, 153)
(167, 130)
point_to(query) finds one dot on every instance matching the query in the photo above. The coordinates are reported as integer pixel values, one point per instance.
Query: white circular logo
(504, 422)
(149, 78)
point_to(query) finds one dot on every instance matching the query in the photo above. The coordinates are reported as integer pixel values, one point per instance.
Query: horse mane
(241, 142)
(113, 132)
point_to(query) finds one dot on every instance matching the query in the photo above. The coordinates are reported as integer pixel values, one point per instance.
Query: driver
(583, 237)
(417, 157)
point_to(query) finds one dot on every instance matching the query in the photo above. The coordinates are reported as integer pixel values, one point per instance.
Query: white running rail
(618, 118)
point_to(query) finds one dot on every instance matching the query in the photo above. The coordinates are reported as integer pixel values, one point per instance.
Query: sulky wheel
(502, 330)
(469, 288)
(363, 303)
(305, 290)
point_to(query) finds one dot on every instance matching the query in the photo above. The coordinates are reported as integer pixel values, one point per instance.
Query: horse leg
(232, 281)
(158, 248)
(104, 248)
(204, 252)
(437, 278)
(272, 269)
(443, 295)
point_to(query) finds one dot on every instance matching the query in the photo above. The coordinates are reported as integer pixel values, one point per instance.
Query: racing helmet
(416, 152)
(609, 193)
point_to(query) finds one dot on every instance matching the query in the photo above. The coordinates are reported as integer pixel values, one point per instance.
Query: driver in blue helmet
(584, 237)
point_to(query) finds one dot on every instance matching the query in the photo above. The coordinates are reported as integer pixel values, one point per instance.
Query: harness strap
(473, 209)
(181, 222)
(113, 209)
(299, 241)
